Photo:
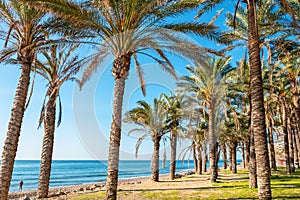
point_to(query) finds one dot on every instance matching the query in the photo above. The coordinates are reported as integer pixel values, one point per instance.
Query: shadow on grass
(237, 198)
(287, 197)
(183, 180)
(296, 185)
(233, 178)
(176, 189)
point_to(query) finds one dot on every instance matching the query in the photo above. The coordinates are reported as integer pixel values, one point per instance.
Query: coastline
(67, 191)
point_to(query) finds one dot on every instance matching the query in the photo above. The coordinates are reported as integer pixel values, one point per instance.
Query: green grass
(283, 187)
(241, 171)
(166, 195)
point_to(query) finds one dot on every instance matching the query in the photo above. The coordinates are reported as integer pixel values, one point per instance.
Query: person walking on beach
(21, 186)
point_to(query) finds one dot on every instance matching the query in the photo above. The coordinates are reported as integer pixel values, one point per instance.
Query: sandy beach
(194, 186)
(68, 191)
(133, 187)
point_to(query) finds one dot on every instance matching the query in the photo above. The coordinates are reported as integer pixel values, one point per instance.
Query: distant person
(21, 186)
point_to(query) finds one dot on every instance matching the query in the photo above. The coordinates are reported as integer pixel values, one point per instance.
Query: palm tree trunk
(155, 160)
(212, 143)
(296, 149)
(204, 168)
(14, 129)
(285, 138)
(252, 163)
(271, 142)
(173, 154)
(243, 155)
(297, 142)
(257, 102)
(224, 154)
(195, 156)
(199, 159)
(120, 71)
(47, 150)
(230, 158)
(291, 145)
(233, 157)
(295, 99)
(252, 158)
(217, 150)
(247, 154)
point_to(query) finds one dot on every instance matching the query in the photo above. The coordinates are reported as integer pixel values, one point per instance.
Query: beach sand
(132, 187)
(67, 191)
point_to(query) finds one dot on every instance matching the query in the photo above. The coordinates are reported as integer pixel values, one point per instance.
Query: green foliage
(150, 121)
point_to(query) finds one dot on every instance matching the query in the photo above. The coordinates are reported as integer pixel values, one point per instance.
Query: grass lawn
(227, 187)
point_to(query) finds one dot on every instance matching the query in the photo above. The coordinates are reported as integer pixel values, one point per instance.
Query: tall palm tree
(26, 31)
(258, 118)
(257, 112)
(258, 125)
(58, 68)
(207, 81)
(174, 115)
(269, 23)
(151, 120)
(126, 29)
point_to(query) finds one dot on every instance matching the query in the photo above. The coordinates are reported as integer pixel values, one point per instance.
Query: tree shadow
(233, 178)
(174, 189)
(181, 181)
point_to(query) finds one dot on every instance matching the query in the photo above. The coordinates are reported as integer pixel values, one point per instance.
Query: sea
(74, 172)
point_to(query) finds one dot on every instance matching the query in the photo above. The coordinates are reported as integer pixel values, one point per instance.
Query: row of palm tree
(244, 136)
(127, 29)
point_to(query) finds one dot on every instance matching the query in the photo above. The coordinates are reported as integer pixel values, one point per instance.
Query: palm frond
(31, 91)
(93, 66)
(138, 144)
(59, 111)
(140, 75)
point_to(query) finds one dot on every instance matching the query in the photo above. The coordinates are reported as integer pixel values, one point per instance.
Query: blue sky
(84, 131)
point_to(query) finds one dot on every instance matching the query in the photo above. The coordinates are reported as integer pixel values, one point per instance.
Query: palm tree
(207, 82)
(127, 29)
(270, 21)
(258, 123)
(58, 68)
(152, 122)
(26, 31)
(174, 114)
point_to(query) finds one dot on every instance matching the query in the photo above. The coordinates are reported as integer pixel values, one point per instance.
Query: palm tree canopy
(131, 28)
(26, 30)
(151, 120)
(174, 107)
(207, 81)
(59, 67)
(271, 21)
